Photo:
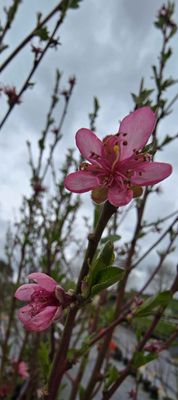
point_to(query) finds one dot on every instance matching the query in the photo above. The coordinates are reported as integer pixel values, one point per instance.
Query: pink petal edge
(81, 182)
(119, 198)
(25, 292)
(44, 280)
(138, 125)
(152, 173)
(40, 321)
(87, 142)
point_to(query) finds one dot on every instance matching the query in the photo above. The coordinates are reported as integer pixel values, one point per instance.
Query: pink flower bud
(46, 302)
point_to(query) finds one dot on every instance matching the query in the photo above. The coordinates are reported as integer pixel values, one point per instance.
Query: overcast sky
(109, 46)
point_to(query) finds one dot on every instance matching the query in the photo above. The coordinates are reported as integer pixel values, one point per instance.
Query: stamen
(116, 149)
(83, 166)
(94, 155)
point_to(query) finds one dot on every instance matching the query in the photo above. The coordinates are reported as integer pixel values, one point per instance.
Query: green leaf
(81, 392)
(143, 98)
(66, 4)
(105, 257)
(140, 358)
(157, 79)
(138, 333)
(44, 359)
(42, 33)
(96, 105)
(74, 3)
(106, 277)
(111, 375)
(168, 82)
(160, 300)
(101, 275)
(112, 238)
(41, 144)
(12, 11)
(72, 354)
(166, 55)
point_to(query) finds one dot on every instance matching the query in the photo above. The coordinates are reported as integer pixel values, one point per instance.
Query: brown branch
(108, 394)
(31, 35)
(35, 66)
(61, 363)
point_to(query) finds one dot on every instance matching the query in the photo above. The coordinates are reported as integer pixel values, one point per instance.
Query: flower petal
(23, 369)
(25, 292)
(149, 173)
(81, 181)
(25, 314)
(40, 321)
(45, 281)
(119, 198)
(88, 143)
(135, 130)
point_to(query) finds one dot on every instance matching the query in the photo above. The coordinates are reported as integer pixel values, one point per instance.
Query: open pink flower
(46, 302)
(118, 166)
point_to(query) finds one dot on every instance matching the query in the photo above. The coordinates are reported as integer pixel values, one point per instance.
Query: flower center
(40, 299)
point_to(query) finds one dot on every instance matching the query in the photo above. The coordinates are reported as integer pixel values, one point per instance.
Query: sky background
(109, 46)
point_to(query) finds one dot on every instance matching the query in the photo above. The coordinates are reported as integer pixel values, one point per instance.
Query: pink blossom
(118, 166)
(46, 302)
(22, 368)
(155, 346)
(11, 93)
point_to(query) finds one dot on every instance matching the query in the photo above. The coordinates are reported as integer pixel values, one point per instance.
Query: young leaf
(42, 33)
(105, 257)
(112, 238)
(111, 376)
(75, 3)
(81, 392)
(140, 358)
(160, 300)
(44, 359)
(105, 278)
